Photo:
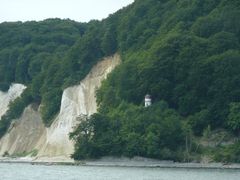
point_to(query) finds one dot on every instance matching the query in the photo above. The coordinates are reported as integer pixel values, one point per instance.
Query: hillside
(185, 54)
(28, 136)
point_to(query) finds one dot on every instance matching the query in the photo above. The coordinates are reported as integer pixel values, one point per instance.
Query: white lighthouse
(148, 100)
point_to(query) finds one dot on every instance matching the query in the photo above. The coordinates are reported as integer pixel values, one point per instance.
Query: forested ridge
(185, 54)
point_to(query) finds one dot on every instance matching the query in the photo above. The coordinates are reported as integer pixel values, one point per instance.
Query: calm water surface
(42, 172)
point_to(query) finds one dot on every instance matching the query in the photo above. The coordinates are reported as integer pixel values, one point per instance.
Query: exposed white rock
(76, 101)
(24, 133)
(28, 132)
(14, 91)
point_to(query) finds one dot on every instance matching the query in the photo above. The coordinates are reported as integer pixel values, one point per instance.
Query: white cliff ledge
(29, 134)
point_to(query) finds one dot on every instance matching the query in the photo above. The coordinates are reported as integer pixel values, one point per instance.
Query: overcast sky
(78, 10)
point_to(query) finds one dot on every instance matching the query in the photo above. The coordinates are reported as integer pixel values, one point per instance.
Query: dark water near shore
(43, 172)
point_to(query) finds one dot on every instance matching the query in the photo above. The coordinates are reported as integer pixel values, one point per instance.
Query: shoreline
(124, 162)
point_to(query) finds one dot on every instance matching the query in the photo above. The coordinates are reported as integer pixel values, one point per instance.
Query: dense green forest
(47, 57)
(185, 54)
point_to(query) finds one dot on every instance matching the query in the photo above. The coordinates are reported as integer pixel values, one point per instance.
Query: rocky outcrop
(24, 133)
(54, 142)
(14, 91)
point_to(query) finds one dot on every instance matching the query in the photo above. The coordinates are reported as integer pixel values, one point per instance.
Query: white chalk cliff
(28, 134)
(24, 133)
(14, 91)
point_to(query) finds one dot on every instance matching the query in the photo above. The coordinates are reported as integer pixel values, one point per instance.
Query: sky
(78, 10)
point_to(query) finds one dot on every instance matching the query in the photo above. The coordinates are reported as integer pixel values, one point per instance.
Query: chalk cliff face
(28, 133)
(76, 101)
(24, 133)
(14, 91)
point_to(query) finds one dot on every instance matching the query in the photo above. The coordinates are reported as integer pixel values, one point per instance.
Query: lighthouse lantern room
(148, 100)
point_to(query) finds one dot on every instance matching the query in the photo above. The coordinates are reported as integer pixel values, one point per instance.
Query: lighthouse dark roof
(148, 96)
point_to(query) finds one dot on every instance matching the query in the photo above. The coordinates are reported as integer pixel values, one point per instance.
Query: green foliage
(199, 121)
(51, 101)
(109, 42)
(15, 109)
(5, 154)
(234, 117)
(28, 53)
(47, 56)
(185, 53)
(131, 130)
(231, 153)
(4, 87)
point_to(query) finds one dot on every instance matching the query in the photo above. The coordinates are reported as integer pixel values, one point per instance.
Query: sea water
(18, 171)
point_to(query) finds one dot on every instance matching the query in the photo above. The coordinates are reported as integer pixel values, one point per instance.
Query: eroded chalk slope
(28, 133)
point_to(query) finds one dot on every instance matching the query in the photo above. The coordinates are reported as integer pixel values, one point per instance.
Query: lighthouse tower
(148, 100)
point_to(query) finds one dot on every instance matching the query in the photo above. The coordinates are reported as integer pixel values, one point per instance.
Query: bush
(4, 87)
(229, 153)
